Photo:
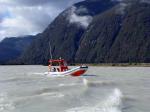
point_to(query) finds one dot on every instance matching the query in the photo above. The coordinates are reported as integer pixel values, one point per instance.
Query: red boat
(59, 68)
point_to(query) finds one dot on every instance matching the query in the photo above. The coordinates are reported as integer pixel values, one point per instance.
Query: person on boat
(58, 69)
(54, 69)
(49, 67)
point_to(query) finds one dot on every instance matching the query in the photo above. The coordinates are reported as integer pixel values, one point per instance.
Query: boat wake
(55, 76)
(112, 103)
(45, 74)
(89, 75)
(37, 73)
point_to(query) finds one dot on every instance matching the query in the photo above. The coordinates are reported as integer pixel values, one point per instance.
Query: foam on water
(63, 85)
(37, 73)
(5, 104)
(55, 76)
(53, 94)
(47, 95)
(45, 74)
(111, 104)
(97, 83)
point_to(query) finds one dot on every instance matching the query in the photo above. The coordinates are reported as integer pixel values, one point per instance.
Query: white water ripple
(5, 104)
(97, 83)
(111, 104)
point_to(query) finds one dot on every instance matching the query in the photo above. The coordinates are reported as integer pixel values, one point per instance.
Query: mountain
(65, 32)
(96, 31)
(117, 38)
(12, 47)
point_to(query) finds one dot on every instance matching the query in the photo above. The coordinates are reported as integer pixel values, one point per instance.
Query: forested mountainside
(96, 31)
(12, 47)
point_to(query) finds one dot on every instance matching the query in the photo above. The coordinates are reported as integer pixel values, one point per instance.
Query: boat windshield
(59, 65)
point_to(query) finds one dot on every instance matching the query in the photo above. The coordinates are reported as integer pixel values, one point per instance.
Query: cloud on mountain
(80, 20)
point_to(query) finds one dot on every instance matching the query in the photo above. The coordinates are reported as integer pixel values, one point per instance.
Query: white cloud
(81, 9)
(25, 20)
(25, 17)
(121, 8)
(16, 27)
(83, 21)
(60, 3)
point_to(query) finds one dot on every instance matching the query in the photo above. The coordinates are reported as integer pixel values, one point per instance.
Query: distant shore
(119, 64)
(98, 64)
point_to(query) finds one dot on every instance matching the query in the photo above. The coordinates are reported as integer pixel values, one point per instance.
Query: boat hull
(77, 71)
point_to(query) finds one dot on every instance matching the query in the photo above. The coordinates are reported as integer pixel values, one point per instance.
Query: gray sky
(24, 17)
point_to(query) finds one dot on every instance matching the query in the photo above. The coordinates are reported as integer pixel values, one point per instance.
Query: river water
(101, 89)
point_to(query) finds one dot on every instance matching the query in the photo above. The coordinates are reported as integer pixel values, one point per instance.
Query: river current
(101, 89)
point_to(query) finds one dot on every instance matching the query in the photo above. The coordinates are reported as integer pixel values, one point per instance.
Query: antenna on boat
(50, 49)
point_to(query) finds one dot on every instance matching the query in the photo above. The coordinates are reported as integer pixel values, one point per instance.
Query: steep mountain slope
(114, 37)
(65, 32)
(11, 48)
(133, 42)
(99, 37)
(95, 31)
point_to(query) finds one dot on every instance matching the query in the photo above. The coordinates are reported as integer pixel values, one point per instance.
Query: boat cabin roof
(57, 61)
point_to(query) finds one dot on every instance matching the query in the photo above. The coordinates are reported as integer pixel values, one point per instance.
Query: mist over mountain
(95, 31)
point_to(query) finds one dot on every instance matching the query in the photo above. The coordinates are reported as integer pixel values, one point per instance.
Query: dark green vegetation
(119, 33)
(64, 36)
(113, 38)
(12, 48)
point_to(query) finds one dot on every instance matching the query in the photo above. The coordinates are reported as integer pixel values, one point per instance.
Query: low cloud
(121, 8)
(82, 20)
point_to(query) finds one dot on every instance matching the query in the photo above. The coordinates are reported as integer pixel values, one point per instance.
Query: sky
(29, 17)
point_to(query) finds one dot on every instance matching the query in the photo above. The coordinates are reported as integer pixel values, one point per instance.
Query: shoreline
(93, 64)
(117, 64)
